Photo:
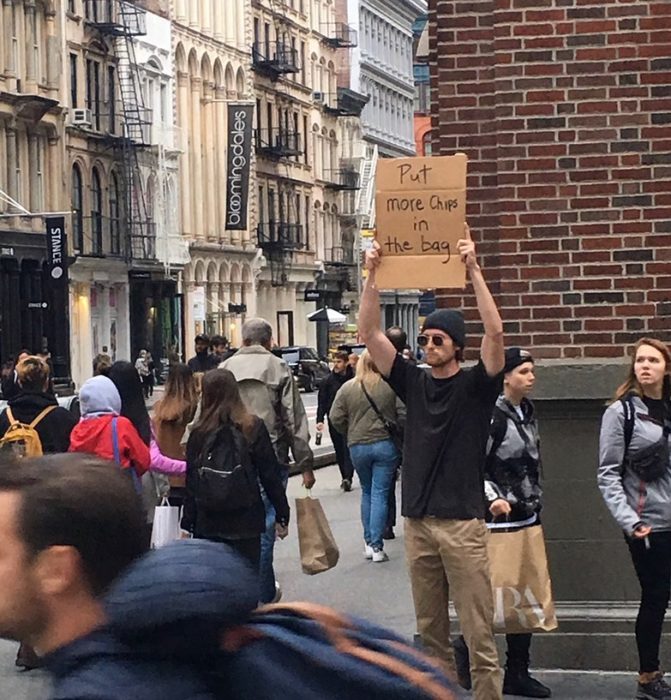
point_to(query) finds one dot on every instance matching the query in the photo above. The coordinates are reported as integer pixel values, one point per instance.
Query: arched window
(115, 216)
(77, 208)
(427, 148)
(96, 213)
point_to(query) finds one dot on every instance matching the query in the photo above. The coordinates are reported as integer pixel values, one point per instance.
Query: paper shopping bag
(166, 525)
(319, 552)
(521, 582)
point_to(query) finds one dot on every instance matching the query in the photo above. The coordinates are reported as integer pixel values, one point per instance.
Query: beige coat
(269, 391)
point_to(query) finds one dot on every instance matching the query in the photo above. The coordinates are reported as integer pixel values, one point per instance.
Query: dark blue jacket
(171, 614)
(165, 617)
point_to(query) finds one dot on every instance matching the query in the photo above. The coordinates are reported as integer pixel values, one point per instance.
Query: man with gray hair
(268, 389)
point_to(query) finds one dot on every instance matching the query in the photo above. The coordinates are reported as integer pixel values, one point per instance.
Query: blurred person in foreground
(69, 526)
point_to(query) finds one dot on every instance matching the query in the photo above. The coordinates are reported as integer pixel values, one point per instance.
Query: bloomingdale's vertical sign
(240, 118)
(57, 251)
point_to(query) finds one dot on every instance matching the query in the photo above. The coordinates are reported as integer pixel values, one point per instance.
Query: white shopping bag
(166, 524)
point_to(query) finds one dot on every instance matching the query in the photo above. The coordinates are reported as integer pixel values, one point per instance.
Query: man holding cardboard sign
(448, 414)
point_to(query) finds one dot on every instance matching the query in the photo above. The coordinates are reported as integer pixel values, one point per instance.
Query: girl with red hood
(102, 431)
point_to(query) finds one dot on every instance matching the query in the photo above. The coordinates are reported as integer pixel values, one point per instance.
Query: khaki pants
(450, 556)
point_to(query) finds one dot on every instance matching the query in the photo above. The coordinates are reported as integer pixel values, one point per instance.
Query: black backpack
(226, 477)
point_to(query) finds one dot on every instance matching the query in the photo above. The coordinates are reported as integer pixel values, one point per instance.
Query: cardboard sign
(420, 214)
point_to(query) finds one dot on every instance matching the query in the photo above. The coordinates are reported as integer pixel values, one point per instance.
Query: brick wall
(564, 109)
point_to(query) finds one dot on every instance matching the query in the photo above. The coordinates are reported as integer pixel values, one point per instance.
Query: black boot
(462, 662)
(517, 681)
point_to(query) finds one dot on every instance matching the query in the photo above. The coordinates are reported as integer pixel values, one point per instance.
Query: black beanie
(516, 357)
(448, 321)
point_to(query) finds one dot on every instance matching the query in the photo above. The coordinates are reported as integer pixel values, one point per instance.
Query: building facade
(382, 67)
(303, 167)
(422, 77)
(211, 45)
(32, 158)
(121, 164)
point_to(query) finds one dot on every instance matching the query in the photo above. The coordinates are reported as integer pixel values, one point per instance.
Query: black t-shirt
(449, 414)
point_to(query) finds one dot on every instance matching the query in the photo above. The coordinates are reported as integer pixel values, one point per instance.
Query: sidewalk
(381, 592)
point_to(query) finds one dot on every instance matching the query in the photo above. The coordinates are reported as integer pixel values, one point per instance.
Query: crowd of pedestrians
(465, 440)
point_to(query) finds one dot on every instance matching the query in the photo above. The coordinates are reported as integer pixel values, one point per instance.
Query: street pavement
(379, 592)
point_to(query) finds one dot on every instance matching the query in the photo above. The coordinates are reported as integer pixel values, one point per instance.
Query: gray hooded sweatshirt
(98, 397)
(630, 500)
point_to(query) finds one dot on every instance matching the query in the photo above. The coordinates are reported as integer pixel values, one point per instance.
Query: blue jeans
(266, 571)
(375, 465)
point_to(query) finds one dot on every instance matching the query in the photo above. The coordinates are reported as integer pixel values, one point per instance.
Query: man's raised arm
(492, 350)
(380, 348)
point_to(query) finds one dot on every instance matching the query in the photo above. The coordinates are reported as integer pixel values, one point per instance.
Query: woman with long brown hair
(635, 481)
(228, 452)
(175, 410)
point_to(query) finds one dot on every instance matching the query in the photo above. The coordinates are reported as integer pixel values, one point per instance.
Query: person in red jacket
(103, 432)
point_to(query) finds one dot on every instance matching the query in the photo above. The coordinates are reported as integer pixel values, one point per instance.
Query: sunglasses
(437, 340)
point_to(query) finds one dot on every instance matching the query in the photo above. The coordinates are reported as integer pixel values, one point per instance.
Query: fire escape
(346, 178)
(281, 235)
(121, 22)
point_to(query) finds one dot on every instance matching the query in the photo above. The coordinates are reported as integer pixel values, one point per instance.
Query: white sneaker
(368, 552)
(379, 555)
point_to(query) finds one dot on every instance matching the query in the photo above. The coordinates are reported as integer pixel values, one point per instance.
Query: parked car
(349, 348)
(309, 370)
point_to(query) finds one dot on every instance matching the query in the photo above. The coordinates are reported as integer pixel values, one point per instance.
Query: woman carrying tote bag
(367, 411)
(514, 494)
(635, 482)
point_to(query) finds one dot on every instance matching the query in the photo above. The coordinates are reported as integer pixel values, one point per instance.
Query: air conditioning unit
(318, 97)
(81, 117)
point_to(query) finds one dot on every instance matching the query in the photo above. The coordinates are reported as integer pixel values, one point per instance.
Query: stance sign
(57, 248)
(240, 118)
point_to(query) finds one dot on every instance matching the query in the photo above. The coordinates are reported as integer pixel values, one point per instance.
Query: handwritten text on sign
(420, 210)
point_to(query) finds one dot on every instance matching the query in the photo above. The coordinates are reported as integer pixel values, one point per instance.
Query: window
(296, 133)
(308, 213)
(271, 208)
(38, 202)
(266, 36)
(96, 213)
(93, 90)
(299, 212)
(77, 208)
(303, 63)
(74, 82)
(71, 6)
(427, 148)
(37, 42)
(305, 137)
(111, 99)
(262, 205)
(18, 171)
(164, 104)
(14, 59)
(115, 216)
